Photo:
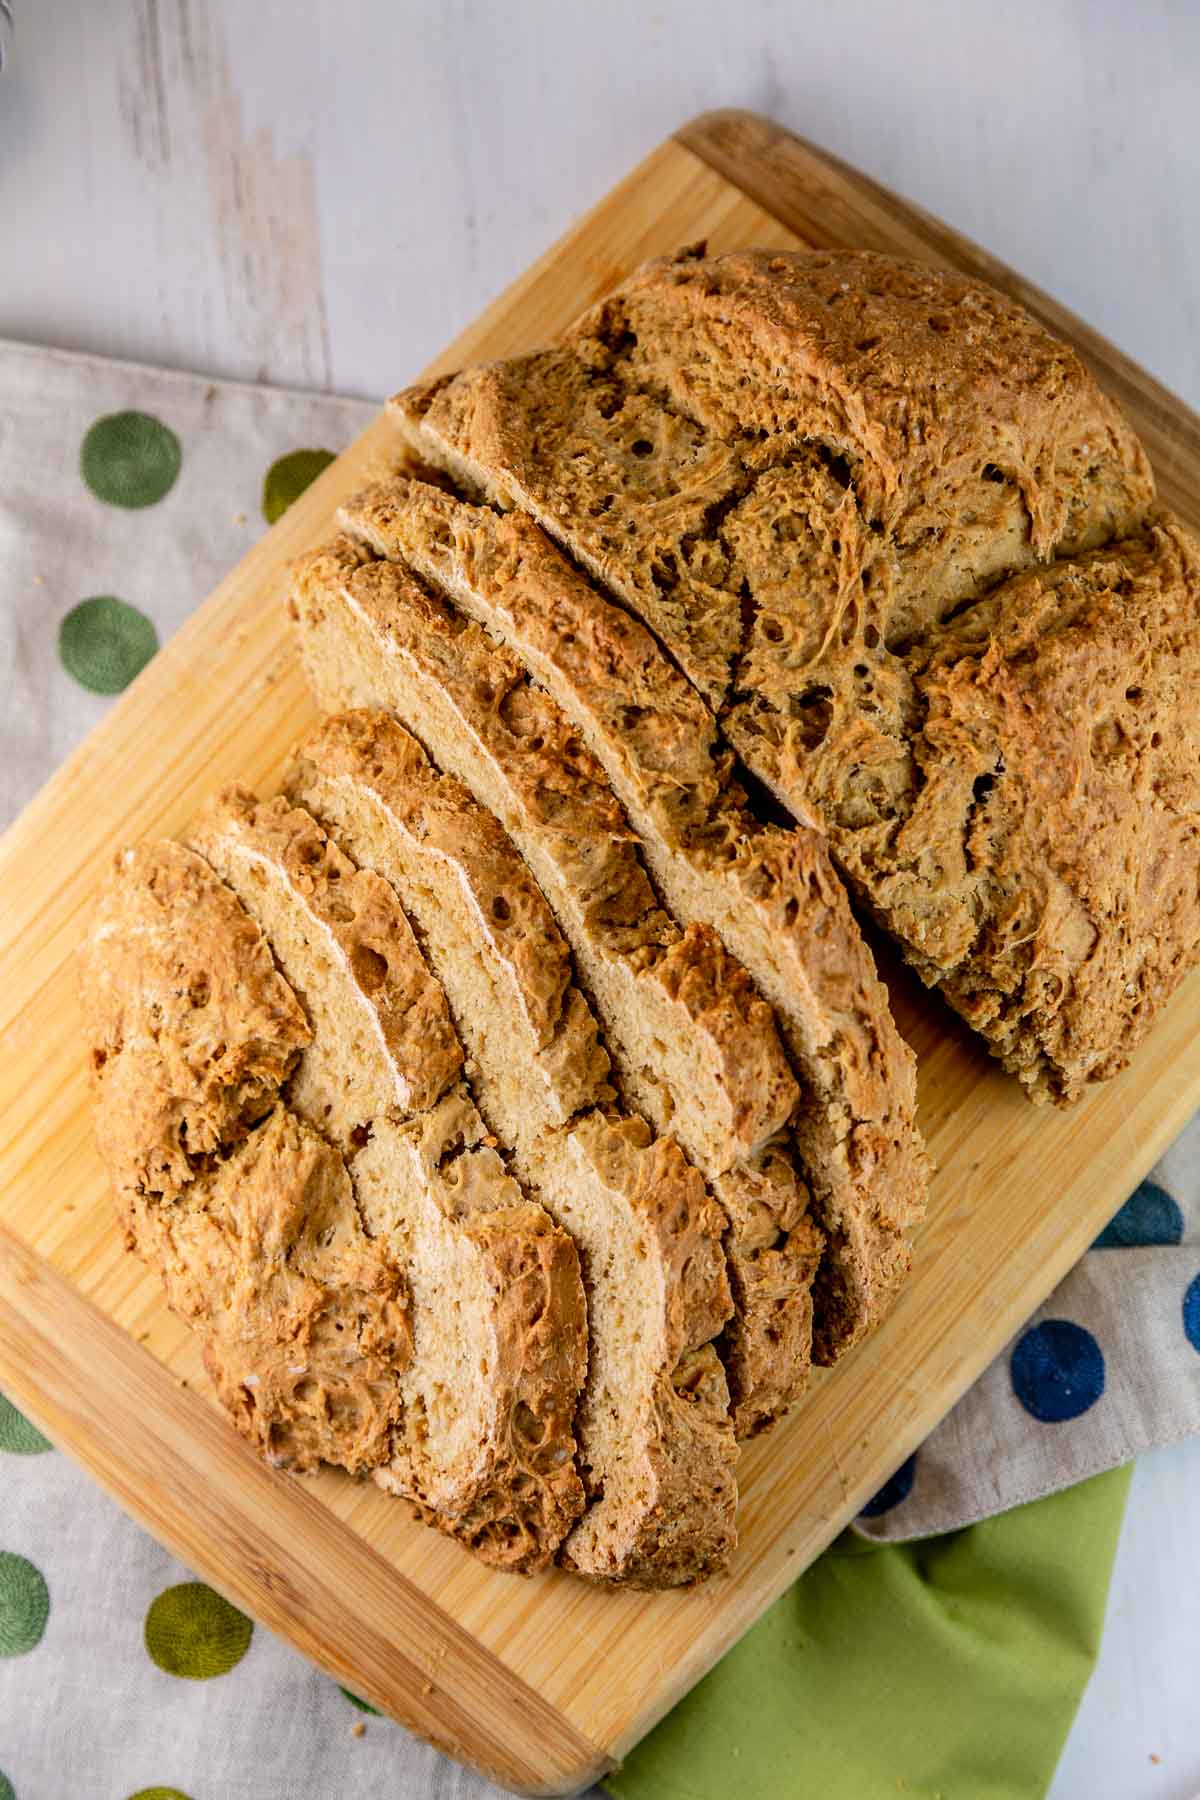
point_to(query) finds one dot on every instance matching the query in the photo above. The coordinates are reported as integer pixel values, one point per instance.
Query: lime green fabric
(949, 1669)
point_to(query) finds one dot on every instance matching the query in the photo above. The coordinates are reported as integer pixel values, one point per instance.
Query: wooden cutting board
(544, 1684)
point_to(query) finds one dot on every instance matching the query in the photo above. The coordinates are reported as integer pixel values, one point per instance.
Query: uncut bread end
(732, 443)
(1017, 803)
(246, 1213)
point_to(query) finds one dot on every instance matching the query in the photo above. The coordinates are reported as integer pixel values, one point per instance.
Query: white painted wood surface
(322, 193)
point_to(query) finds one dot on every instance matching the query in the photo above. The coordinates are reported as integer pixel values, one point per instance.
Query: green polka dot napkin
(125, 494)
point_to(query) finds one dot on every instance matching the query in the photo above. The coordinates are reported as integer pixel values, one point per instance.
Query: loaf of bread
(810, 477)
(512, 1105)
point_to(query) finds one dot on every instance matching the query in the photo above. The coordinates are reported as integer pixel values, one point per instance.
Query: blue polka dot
(898, 1488)
(1149, 1216)
(1191, 1314)
(1057, 1371)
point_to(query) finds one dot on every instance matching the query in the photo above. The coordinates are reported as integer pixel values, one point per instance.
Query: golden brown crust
(245, 1211)
(191, 1028)
(1024, 817)
(772, 894)
(730, 443)
(773, 1250)
(305, 1322)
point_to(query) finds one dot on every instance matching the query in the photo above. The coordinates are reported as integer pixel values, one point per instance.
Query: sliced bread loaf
(371, 632)
(246, 1212)
(655, 1442)
(771, 894)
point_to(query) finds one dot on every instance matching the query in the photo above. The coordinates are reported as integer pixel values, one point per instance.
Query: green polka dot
(191, 1631)
(288, 477)
(362, 1705)
(20, 1438)
(7, 1790)
(130, 459)
(155, 1793)
(104, 642)
(24, 1605)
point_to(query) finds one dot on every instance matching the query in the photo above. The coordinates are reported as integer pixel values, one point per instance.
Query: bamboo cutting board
(544, 1684)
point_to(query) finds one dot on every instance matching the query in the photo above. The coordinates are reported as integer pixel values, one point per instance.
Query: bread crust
(873, 414)
(245, 1211)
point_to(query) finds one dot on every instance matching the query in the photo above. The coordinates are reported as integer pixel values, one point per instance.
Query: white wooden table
(321, 194)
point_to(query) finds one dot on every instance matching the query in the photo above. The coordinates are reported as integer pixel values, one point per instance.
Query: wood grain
(539, 1682)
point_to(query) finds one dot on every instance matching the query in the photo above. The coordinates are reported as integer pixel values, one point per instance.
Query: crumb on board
(358, 1728)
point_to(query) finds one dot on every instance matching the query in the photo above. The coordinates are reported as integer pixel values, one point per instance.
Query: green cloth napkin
(944, 1670)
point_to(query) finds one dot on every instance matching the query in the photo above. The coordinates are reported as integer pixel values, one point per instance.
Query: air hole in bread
(370, 968)
(813, 711)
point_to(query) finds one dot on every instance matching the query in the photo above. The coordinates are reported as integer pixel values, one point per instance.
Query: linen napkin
(125, 493)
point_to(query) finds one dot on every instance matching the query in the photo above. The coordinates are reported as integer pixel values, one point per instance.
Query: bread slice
(499, 1337)
(498, 1314)
(654, 1434)
(771, 894)
(372, 634)
(244, 1209)
(732, 444)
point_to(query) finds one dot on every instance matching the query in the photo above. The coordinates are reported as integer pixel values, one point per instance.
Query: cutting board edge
(63, 1392)
(302, 523)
